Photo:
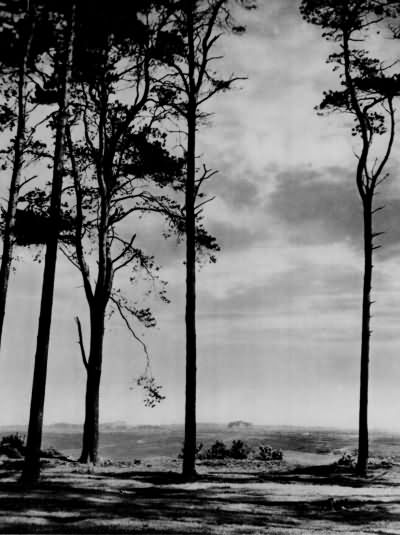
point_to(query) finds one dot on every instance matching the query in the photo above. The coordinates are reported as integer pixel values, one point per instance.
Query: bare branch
(26, 181)
(199, 206)
(378, 209)
(207, 174)
(127, 247)
(390, 142)
(217, 88)
(81, 344)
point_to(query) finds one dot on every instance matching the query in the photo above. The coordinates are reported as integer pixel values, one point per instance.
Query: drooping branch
(120, 309)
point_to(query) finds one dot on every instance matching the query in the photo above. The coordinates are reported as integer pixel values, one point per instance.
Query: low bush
(239, 450)
(15, 442)
(218, 450)
(347, 459)
(266, 453)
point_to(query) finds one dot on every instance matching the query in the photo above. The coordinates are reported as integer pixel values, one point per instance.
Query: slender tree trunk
(98, 304)
(189, 450)
(31, 471)
(362, 461)
(90, 441)
(8, 240)
(189, 446)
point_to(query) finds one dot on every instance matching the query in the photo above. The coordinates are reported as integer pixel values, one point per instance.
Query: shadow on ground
(160, 502)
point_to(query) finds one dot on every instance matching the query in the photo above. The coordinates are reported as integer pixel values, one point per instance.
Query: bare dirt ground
(302, 495)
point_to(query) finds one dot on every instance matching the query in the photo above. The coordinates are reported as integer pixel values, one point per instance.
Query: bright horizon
(221, 424)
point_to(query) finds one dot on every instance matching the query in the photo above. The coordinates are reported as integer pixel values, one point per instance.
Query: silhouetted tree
(190, 44)
(21, 48)
(132, 180)
(118, 164)
(116, 152)
(31, 469)
(124, 151)
(21, 35)
(368, 89)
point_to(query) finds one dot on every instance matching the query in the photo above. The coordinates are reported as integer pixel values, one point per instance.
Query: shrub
(266, 453)
(16, 442)
(217, 451)
(239, 450)
(348, 459)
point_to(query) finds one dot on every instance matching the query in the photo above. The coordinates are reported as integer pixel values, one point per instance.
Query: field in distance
(119, 441)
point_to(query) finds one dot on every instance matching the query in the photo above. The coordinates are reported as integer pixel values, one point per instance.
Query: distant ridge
(105, 427)
(239, 424)
(122, 426)
(63, 427)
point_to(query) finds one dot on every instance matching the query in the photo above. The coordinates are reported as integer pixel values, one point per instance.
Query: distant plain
(122, 442)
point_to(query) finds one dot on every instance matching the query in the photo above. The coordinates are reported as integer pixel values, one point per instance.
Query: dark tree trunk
(98, 302)
(189, 450)
(31, 471)
(90, 441)
(8, 239)
(189, 446)
(362, 461)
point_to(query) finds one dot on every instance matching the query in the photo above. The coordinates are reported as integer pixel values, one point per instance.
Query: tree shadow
(348, 510)
(93, 505)
(331, 474)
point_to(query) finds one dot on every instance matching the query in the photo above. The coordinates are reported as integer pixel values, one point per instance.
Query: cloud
(318, 207)
(232, 238)
(235, 189)
(304, 287)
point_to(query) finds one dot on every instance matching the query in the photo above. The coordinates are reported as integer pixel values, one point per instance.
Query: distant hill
(239, 424)
(120, 426)
(106, 427)
(63, 427)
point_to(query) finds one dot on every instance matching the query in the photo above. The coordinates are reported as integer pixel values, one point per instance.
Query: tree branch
(129, 327)
(81, 344)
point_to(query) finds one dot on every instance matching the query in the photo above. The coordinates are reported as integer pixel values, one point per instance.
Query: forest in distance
(106, 117)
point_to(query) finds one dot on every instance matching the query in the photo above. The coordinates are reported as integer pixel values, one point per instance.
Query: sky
(279, 314)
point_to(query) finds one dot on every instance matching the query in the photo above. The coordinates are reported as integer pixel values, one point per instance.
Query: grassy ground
(302, 495)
